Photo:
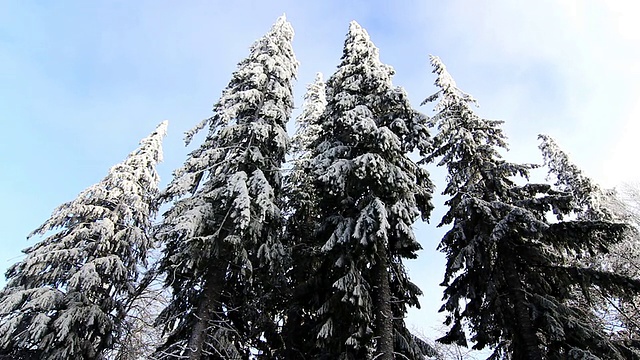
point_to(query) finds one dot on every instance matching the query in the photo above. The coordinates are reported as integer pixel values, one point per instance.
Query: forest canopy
(294, 246)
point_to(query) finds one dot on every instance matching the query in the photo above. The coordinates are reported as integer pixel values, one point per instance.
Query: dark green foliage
(223, 257)
(369, 193)
(511, 274)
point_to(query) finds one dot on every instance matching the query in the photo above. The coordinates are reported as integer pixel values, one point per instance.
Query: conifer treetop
(588, 196)
(466, 143)
(274, 52)
(360, 68)
(449, 91)
(121, 179)
(308, 121)
(257, 103)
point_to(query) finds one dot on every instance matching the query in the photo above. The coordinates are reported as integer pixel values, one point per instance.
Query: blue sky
(81, 82)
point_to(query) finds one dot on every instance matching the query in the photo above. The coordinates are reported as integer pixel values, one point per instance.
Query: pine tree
(308, 121)
(299, 188)
(223, 254)
(510, 276)
(66, 299)
(591, 202)
(369, 194)
(302, 222)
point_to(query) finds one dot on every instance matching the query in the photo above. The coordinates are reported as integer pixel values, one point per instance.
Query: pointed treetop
(360, 64)
(449, 90)
(315, 102)
(161, 129)
(274, 45)
(588, 196)
(444, 80)
(154, 140)
(358, 40)
(308, 121)
(283, 26)
(355, 27)
(137, 170)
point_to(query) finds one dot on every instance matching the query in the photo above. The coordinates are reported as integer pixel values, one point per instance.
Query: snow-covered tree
(302, 221)
(299, 188)
(589, 198)
(66, 299)
(623, 257)
(308, 122)
(509, 276)
(369, 194)
(223, 254)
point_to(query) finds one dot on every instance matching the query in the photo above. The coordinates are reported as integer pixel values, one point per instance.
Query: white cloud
(592, 52)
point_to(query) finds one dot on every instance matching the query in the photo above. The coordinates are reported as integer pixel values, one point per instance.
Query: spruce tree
(223, 255)
(591, 202)
(67, 298)
(308, 122)
(369, 195)
(510, 275)
(302, 222)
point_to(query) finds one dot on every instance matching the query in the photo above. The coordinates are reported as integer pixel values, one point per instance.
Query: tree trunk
(384, 315)
(206, 308)
(526, 340)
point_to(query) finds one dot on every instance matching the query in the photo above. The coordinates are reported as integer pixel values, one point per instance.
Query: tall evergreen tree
(369, 195)
(299, 188)
(510, 275)
(222, 251)
(302, 222)
(66, 299)
(315, 102)
(591, 202)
